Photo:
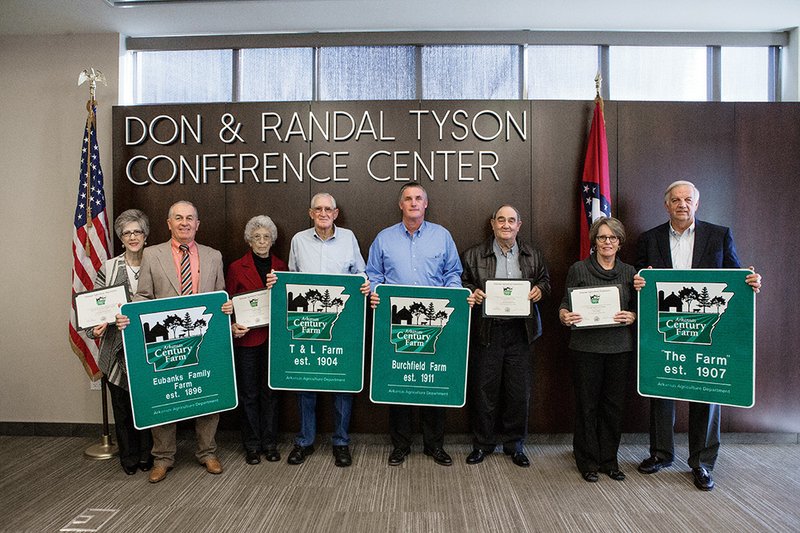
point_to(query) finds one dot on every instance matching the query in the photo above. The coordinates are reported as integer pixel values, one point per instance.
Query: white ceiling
(285, 16)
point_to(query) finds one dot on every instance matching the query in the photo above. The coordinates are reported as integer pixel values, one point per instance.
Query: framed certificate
(596, 305)
(251, 309)
(507, 298)
(100, 306)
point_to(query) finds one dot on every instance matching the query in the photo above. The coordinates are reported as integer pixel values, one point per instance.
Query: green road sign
(179, 356)
(420, 341)
(697, 336)
(316, 333)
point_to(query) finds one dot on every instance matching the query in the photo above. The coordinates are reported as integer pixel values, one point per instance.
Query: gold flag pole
(105, 449)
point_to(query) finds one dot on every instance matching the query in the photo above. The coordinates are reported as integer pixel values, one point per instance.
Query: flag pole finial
(598, 83)
(92, 75)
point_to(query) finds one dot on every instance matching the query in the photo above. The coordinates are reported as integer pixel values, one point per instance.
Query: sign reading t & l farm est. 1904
(316, 334)
(179, 356)
(420, 339)
(697, 336)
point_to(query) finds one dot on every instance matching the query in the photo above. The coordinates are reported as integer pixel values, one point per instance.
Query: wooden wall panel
(767, 166)
(743, 157)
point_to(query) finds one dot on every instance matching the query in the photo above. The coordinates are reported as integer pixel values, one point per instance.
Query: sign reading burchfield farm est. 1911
(697, 336)
(316, 334)
(179, 356)
(420, 338)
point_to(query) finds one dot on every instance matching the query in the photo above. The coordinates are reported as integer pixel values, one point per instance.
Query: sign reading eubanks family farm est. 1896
(179, 356)
(697, 336)
(420, 339)
(316, 337)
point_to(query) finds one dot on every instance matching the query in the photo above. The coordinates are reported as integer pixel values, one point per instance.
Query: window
(183, 76)
(562, 72)
(745, 74)
(276, 74)
(558, 65)
(367, 73)
(658, 73)
(471, 72)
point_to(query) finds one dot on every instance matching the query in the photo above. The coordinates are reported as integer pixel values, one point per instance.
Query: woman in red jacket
(259, 403)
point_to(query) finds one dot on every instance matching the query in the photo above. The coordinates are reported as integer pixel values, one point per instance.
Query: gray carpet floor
(47, 485)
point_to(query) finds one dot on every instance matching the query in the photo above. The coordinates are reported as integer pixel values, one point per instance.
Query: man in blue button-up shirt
(414, 252)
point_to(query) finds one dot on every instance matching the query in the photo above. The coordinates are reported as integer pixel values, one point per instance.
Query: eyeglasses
(607, 238)
(132, 233)
(321, 209)
(265, 238)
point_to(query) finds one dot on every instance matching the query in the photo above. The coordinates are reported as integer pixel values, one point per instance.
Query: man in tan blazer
(166, 273)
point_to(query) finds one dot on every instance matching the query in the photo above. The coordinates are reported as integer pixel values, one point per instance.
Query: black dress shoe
(702, 479)
(653, 464)
(591, 477)
(130, 470)
(397, 456)
(476, 456)
(299, 454)
(146, 465)
(616, 475)
(520, 459)
(440, 457)
(272, 455)
(341, 456)
(251, 457)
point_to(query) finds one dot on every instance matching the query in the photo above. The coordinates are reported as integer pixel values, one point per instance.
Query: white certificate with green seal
(251, 309)
(596, 305)
(507, 298)
(100, 306)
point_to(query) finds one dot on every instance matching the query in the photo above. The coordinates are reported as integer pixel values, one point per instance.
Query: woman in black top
(600, 355)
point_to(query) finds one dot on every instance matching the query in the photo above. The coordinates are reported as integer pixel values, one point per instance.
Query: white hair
(681, 183)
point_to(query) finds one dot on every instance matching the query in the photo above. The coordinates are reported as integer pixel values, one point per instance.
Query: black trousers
(402, 433)
(501, 387)
(259, 403)
(599, 381)
(134, 445)
(704, 420)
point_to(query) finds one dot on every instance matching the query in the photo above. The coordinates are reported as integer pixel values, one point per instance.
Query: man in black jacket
(685, 242)
(502, 347)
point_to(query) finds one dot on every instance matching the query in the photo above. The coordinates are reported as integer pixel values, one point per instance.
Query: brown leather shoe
(158, 473)
(213, 466)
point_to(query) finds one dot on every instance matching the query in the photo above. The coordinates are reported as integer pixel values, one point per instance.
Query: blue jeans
(343, 406)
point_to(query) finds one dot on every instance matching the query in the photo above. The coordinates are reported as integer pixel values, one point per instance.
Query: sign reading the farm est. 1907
(420, 339)
(179, 356)
(316, 337)
(697, 336)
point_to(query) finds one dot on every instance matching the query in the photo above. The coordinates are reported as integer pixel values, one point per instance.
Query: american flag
(89, 239)
(595, 184)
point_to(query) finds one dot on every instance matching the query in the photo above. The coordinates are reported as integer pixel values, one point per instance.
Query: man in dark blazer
(164, 274)
(685, 242)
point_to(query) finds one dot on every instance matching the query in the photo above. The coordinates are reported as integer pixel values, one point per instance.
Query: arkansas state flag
(595, 188)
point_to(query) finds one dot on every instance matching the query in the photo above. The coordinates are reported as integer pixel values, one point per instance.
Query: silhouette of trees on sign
(173, 322)
(688, 295)
(702, 299)
(324, 299)
(429, 312)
